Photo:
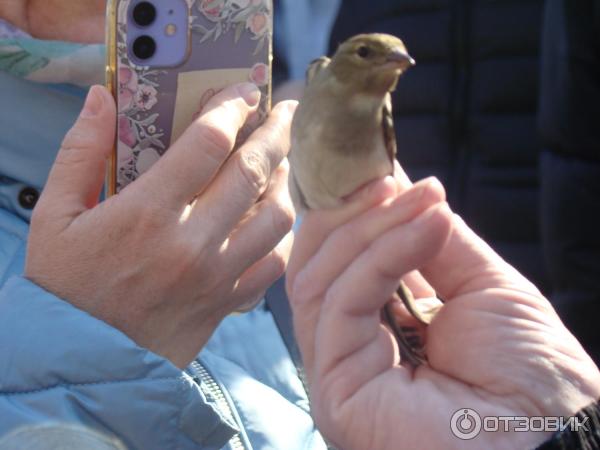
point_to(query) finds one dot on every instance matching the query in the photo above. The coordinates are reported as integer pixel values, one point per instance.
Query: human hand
(60, 20)
(496, 346)
(163, 272)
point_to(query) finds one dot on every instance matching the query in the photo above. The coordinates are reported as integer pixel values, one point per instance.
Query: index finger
(191, 163)
(317, 225)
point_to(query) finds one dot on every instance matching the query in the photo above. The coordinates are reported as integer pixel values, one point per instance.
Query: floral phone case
(230, 41)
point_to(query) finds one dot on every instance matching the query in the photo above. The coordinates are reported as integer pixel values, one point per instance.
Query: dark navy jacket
(570, 101)
(467, 112)
(570, 166)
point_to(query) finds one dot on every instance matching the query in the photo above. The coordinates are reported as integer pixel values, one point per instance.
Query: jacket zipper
(207, 380)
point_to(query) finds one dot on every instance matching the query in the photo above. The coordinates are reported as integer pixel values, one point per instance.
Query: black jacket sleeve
(586, 438)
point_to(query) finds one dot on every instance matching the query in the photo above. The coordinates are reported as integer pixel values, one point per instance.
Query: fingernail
(93, 104)
(250, 93)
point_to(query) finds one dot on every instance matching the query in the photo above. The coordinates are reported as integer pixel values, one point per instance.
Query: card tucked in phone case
(230, 42)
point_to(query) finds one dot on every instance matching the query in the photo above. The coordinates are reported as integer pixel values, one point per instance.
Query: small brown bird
(343, 137)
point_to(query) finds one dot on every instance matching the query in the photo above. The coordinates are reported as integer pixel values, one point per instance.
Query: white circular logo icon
(465, 424)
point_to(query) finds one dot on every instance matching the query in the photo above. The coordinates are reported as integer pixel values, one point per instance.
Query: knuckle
(237, 110)
(186, 255)
(150, 222)
(278, 140)
(80, 141)
(380, 270)
(71, 156)
(215, 279)
(215, 141)
(284, 217)
(75, 137)
(253, 170)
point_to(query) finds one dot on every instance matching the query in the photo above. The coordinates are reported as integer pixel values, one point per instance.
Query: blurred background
(504, 108)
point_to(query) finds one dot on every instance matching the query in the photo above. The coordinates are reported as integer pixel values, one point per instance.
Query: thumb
(468, 264)
(77, 177)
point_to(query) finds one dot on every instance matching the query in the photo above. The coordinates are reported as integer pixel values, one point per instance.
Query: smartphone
(167, 58)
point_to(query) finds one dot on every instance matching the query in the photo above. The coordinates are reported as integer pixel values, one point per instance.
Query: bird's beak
(400, 59)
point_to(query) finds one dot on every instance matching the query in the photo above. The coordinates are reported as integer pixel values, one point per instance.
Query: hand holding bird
(496, 346)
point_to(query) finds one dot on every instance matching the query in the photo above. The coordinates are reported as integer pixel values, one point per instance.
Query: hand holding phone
(149, 261)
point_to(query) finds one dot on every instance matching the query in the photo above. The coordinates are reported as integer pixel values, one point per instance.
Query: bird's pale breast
(337, 146)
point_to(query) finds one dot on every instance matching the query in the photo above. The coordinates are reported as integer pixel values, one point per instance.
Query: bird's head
(371, 63)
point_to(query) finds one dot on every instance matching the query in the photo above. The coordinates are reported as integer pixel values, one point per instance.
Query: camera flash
(171, 29)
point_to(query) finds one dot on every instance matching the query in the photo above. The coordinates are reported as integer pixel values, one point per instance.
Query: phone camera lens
(144, 14)
(144, 47)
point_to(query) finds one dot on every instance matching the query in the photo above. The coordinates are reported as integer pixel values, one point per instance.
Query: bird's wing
(315, 67)
(389, 134)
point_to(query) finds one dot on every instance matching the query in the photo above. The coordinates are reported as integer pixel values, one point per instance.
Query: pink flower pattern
(140, 138)
(258, 23)
(212, 9)
(259, 74)
(128, 85)
(251, 15)
(146, 97)
(126, 134)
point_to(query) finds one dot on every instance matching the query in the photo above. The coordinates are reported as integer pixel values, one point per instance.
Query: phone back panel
(230, 41)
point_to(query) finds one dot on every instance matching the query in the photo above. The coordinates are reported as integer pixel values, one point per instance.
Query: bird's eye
(364, 51)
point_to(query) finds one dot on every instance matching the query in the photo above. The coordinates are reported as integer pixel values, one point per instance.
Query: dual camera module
(158, 32)
(144, 15)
